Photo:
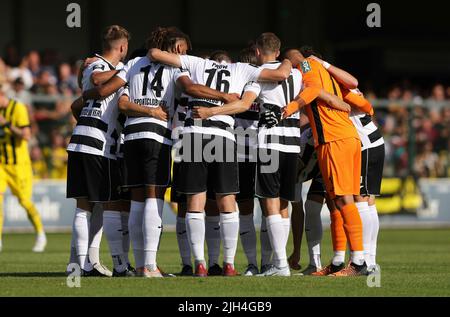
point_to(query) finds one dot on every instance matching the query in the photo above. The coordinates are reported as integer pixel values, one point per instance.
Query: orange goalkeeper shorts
(340, 164)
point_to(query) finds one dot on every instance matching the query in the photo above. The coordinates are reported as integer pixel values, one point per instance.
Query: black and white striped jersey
(96, 130)
(368, 132)
(246, 132)
(285, 137)
(150, 84)
(227, 78)
(120, 125)
(120, 145)
(179, 118)
(308, 155)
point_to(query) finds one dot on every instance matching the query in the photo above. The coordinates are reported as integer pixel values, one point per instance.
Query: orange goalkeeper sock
(353, 227)
(337, 231)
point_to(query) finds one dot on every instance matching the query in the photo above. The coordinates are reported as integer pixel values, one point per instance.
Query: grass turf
(413, 263)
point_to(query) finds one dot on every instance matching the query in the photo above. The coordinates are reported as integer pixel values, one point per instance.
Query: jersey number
(93, 104)
(155, 84)
(288, 89)
(222, 84)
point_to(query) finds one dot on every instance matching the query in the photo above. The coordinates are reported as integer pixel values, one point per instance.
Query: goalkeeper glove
(270, 118)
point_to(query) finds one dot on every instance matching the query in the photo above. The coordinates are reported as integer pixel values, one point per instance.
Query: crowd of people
(416, 128)
(47, 86)
(415, 121)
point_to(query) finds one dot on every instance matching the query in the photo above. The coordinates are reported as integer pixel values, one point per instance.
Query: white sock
(338, 258)
(183, 242)
(124, 217)
(266, 247)
(152, 229)
(229, 232)
(287, 230)
(357, 257)
(277, 235)
(136, 234)
(81, 223)
(375, 228)
(366, 219)
(112, 224)
(247, 233)
(195, 227)
(95, 235)
(313, 231)
(212, 236)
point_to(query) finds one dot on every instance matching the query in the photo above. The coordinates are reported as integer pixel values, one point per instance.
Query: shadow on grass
(33, 274)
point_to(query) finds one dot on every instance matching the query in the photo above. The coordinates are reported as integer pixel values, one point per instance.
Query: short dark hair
(286, 50)
(307, 51)
(247, 55)
(113, 33)
(268, 43)
(220, 56)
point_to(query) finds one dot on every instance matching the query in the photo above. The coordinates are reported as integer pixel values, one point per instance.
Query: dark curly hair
(165, 38)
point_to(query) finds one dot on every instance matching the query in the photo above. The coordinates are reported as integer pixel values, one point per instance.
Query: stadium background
(403, 67)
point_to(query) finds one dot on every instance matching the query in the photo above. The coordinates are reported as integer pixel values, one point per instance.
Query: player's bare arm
(88, 61)
(343, 77)
(164, 57)
(281, 73)
(134, 110)
(103, 91)
(99, 78)
(19, 132)
(234, 107)
(334, 101)
(204, 92)
(76, 107)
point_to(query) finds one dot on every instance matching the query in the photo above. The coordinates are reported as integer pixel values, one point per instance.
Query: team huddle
(220, 134)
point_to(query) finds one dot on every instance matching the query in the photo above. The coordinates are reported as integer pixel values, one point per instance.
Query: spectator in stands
(57, 155)
(19, 93)
(67, 80)
(38, 163)
(427, 162)
(23, 72)
(438, 93)
(34, 64)
(43, 81)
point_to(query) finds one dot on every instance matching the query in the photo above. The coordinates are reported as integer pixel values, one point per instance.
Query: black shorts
(124, 191)
(247, 173)
(372, 163)
(219, 174)
(210, 194)
(93, 177)
(175, 196)
(317, 186)
(280, 183)
(148, 162)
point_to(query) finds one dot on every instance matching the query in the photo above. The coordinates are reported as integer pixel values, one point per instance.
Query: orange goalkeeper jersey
(328, 124)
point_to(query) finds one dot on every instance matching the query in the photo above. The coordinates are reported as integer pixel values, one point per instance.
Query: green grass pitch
(413, 263)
